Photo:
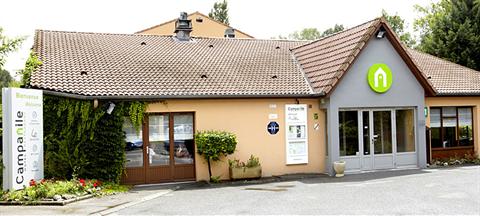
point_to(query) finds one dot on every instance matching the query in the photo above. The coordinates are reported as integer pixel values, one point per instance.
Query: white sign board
(22, 137)
(296, 133)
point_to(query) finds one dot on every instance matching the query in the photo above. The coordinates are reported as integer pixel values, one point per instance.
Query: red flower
(32, 182)
(98, 183)
(82, 182)
(95, 184)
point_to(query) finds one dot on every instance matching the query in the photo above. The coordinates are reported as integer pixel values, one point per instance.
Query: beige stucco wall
(207, 28)
(248, 119)
(459, 101)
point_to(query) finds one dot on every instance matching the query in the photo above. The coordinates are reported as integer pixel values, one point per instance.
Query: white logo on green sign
(379, 78)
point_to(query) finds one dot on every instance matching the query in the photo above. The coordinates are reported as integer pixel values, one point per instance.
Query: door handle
(374, 138)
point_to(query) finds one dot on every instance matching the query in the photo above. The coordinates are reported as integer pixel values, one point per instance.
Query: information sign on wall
(22, 137)
(296, 133)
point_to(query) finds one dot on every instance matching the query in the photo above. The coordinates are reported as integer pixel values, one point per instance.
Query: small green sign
(379, 78)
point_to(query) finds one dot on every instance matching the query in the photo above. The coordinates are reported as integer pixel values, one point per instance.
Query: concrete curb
(126, 205)
(48, 203)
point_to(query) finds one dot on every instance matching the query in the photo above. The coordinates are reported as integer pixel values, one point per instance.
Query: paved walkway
(429, 191)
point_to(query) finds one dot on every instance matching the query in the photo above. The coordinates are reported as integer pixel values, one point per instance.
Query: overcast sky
(259, 18)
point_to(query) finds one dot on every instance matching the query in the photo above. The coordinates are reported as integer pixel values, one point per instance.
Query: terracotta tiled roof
(94, 64)
(324, 61)
(446, 77)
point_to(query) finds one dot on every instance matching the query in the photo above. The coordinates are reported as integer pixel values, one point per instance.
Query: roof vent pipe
(229, 33)
(183, 27)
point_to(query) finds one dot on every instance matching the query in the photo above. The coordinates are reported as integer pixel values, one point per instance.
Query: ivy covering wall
(81, 141)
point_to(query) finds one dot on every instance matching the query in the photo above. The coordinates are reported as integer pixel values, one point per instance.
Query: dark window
(451, 126)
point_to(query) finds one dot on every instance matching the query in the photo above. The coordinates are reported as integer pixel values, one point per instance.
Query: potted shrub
(213, 145)
(242, 170)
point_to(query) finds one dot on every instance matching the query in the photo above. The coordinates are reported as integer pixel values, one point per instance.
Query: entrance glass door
(158, 150)
(183, 150)
(170, 149)
(372, 139)
(381, 140)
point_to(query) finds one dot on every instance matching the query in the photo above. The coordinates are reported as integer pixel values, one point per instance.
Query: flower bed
(455, 161)
(60, 191)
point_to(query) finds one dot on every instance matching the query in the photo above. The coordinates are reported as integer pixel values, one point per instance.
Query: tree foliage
(450, 29)
(305, 34)
(5, 78)
(213, 145)
(219, 12)
(8, 45)
(32, 63)
(333, 30)
(398, 25)
(312, 33)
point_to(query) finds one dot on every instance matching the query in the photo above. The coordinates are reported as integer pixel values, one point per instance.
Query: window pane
(348, 132)
(465, 129)
(405, 130)
(183, 136)
(382, 132)
(435, 128)
(449, 121)
(134, 147)
(366, 133)
(449, 112)
(159, 145)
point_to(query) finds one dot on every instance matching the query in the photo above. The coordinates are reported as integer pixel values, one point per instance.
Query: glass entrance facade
(390, 133)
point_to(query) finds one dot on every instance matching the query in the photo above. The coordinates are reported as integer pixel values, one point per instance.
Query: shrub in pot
(242, 170)
(213, 145)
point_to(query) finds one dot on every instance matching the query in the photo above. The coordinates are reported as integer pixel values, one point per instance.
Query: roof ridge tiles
(167, 36)
(340, 32)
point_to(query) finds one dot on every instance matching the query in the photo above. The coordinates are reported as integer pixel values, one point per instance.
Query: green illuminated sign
(379, 78)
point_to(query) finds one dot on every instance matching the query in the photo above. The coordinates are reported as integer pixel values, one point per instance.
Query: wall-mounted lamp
(95, 103)
(111, 106)
(381, 34)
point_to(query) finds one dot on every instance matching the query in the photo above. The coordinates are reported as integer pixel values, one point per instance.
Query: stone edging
(51, 203)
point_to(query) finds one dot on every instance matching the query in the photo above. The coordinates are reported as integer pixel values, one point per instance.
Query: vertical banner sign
(296, 133)
(22, 137)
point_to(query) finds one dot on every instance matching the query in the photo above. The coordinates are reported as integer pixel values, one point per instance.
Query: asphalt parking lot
(429, 191)
(449, 191)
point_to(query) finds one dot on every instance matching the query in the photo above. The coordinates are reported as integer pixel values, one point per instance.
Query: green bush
(83, 142)
(213, 145)
(106, 152)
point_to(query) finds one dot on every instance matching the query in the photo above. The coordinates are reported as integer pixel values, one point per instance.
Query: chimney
(229, 33)
(183, 27)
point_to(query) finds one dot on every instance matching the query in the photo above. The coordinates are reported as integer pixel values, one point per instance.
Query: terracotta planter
(339, 167)
(245, 172)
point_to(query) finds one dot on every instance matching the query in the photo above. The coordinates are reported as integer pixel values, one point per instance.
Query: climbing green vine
(33, 62)
(83, 141)
(136, 112)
